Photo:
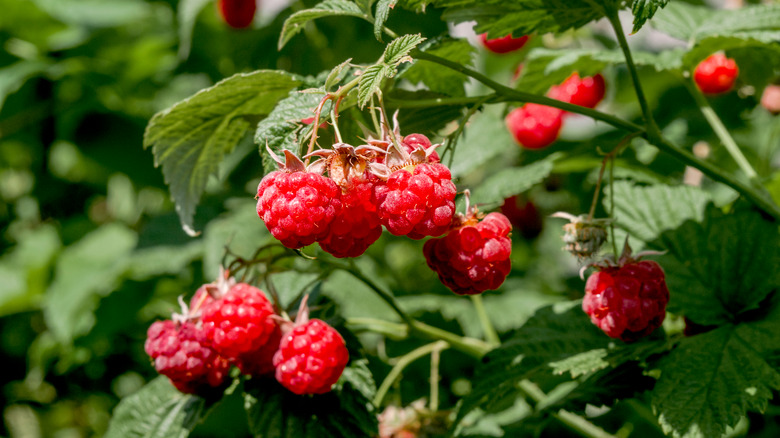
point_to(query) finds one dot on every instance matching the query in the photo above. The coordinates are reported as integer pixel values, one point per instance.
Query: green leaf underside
(383, 8)
(711, 380)
(282, 129)
(519, 17)
(190, 139)
(511, 181)
(345, 411)
(294, 24)
(644, 10)
(647, 211)
(158, 410)
(437, 79)
(722, 267)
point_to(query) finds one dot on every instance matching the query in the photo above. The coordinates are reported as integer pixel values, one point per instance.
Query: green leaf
(282, 129)
(295, 22)
(187, 12)
(644, 10)
(483, 139)
(190, 139)
(15, 75)
(239, 228)
(158, 410)
(337, 74)
(345, 411)
(711, 380)
(436, 78)
(382, 12)
(85, 271)
(554, 333)
(583, 363)
(519, 17)
(647, 211)
(681, 20)
(96, 13)
(511, 181)
(398, 50)
(428, 121)
(371, 82)
(720, 268)
(154, 261)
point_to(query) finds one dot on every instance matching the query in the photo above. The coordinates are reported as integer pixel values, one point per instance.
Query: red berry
(237, 13)
(415, 141)
(587, 91)
(627, 301)
(523, 215)
(357, 225)
(311, 358)
(239, 322)
(771, 99)
(535, 126)
(716, 74)
(260, 362)
(474, 257)
(297, 207)
(504, 44)
(182, 353)
(417, 203)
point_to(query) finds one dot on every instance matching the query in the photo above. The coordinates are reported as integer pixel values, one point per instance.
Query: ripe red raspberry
(535, 126)
(416, 141)
(587, 91)
(237, 13)
(474, 256)
(418, 202)
(523, 216)
(239, 321)
(181, 352)
(261, 361)
(297, 206)
(504, 44)
(716, 74)
(627, 301)
(357, 226)
(311, 358)
(770, 99)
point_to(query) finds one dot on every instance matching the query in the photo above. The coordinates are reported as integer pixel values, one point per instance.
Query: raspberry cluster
(537, 126)
(474, 255)
(627, 300)
(229, 323)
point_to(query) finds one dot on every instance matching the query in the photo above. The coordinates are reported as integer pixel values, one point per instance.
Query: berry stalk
(484, 319)
(402, 363)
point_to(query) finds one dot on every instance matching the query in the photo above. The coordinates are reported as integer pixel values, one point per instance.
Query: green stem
(439, 101)
(510, 94)
(386, 296)
(402, 363)
(720, 130)
(484, 319)
(435, 359)
(614, 19)
(388, 329)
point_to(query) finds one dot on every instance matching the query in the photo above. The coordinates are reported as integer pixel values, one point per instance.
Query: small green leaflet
(711, 380)
(519, 17)
(158, 410)
(644, 10)
(395, 53)
(295, 22)
(718, 269)
(191, 138)
(382, 12)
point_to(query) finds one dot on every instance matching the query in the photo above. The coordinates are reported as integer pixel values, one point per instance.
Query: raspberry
(182, 353)
(716, 74)
(297, 206)
(473, 257)
(415, 141)
(770, 99)
(238, 322)
(260, 362)
(504, 44)
(523, 216)
(535, 126)
(627, 301)
(587, 92)
(357, 226)
(417, 203)
(237, 13)
(311, 358)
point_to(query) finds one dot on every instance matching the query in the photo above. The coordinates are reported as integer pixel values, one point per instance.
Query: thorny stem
(487, 326)
(720, 130)
(402, 363)
(755, 195)
(652, 128)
